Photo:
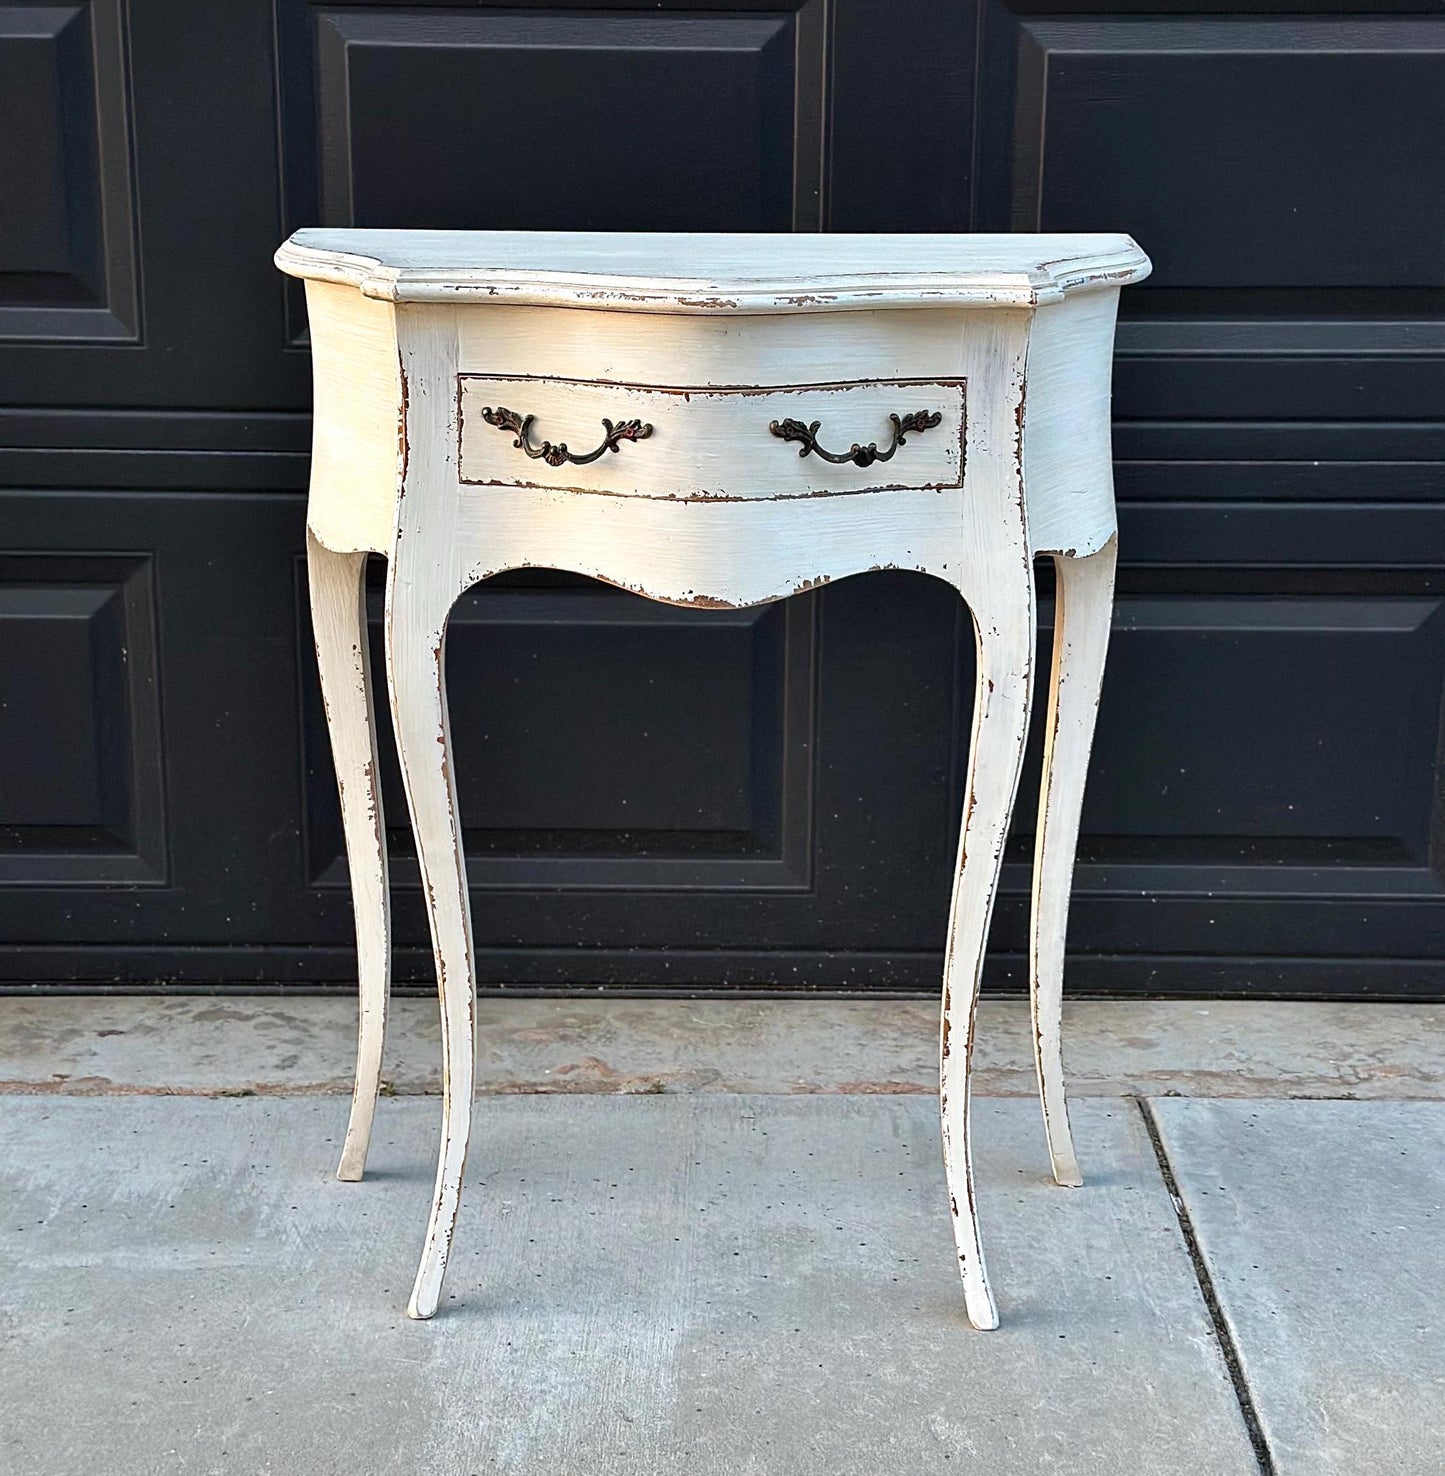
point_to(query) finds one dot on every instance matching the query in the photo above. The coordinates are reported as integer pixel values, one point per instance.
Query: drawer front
(714, 443)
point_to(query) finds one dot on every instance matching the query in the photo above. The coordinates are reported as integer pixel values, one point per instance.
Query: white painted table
(715, 421)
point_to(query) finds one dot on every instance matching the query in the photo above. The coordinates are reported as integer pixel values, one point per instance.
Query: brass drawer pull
(559, 455)
(903, 427)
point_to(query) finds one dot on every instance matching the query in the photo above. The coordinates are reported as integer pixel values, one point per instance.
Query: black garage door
(767, 798)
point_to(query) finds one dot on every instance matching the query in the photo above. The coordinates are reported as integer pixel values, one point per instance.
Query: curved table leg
(1004, 639)
(338, 618)
(1082, 610)
(415, 655)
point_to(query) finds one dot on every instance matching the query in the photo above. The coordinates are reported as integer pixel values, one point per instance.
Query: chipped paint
(482, 463)
(755, 558)
(403, 442)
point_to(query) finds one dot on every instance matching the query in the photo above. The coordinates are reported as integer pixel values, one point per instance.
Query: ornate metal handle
(903, 427)
(559, 455)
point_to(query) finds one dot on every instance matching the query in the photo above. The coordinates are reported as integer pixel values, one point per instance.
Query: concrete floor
(1191, 1048)
(713, 1238)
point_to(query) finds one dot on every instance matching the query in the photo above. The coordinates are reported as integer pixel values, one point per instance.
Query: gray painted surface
(1323, 1226)
(656, 1284)
(1111, 1047)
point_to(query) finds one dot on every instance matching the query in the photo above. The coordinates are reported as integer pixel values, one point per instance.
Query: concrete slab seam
(1222, 1333)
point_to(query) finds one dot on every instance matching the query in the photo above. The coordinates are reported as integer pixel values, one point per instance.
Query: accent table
(720, 421)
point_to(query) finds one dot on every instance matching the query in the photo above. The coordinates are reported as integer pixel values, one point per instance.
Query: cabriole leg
(1082, 609)
(1005, 644)
(338, 618)
(415, 649)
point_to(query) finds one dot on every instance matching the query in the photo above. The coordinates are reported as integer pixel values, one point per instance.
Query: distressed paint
(1083, 603)
(727, 274)
(714, 522)
(711, 443)
(1001, 603)
(357, 449)
(338, 620)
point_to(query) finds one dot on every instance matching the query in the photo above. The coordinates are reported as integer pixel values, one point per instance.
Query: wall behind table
(764, 799)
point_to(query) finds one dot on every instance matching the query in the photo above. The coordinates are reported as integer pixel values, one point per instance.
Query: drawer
(713, 443)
